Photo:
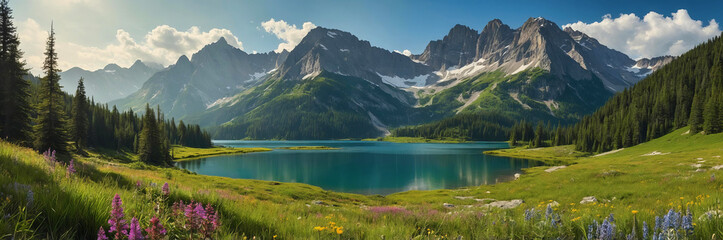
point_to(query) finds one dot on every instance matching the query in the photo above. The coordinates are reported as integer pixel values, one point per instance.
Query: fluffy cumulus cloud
(163, 45)
(289, 34)
(653, 35)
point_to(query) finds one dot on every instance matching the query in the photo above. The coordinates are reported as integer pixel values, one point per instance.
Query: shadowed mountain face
(110, 83)
(189, 86)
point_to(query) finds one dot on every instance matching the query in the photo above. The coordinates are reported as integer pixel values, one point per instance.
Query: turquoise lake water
(366, 167)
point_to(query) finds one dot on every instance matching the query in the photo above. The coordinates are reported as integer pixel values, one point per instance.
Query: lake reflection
(366, 167)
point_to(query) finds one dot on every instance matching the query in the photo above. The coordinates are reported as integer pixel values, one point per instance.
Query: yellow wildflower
(339, 230)
(635, 211)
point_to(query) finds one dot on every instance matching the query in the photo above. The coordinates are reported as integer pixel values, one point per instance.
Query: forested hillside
(687, 91)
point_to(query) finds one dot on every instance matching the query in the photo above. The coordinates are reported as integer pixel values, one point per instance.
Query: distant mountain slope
(110, 83)
(190, 86)
(685, 92)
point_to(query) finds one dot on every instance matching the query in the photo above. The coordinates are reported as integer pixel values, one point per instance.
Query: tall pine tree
(150, 148)
(15, 108)
(50, 131)
(80, 116)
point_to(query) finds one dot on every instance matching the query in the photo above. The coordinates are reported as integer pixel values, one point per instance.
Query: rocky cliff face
(343, 53)
(537, 43)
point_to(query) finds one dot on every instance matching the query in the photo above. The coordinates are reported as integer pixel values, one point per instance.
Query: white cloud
(653, 35)
(163, 45)
(406, 52)
(290, 34)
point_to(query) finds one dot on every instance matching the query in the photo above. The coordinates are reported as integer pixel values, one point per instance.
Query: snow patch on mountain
(465, 71)
(344, 50)
(331, 34)
(521, 68)
(418, 81)
(322, 46)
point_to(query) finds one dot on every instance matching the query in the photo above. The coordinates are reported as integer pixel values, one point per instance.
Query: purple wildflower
(393, 210)
(116, 221)
(135, 232)
(71, 167)
(139, 184)
(200, 213)
(166, 190)
(156, 230)
(101, 234)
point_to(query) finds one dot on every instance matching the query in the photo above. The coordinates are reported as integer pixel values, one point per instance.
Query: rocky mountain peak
(183, 60)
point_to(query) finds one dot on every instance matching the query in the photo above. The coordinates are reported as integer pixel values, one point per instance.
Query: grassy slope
(551, 155)
(651, 184)
(635, 180)
(181, 153)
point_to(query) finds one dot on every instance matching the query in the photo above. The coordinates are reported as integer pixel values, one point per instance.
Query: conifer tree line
(44, 117)
(490, 126)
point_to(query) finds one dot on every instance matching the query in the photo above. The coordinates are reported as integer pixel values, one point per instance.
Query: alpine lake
(366, 167)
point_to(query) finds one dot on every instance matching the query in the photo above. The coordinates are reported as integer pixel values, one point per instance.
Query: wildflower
(530, 214)
(101, 234)
(116, 221)
(658, 224)
(320, 229)
(138, 184)
(645, 230)
(635, 211)
(135, 231)
(671, 220)
(165, 189)
(339, 230)
(590, 230)
(606, 231)
(155, 230)
(688, 223)
(71, 167)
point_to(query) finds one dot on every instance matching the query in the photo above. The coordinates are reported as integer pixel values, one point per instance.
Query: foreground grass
(309, 148)
(414, 140)
(182, 153)
(559, 155)
(75, 206)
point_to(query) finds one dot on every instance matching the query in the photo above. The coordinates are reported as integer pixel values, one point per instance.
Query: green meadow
(678, 171)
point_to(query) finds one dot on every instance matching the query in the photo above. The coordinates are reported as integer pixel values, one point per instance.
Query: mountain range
(110, 83)
(334, 85)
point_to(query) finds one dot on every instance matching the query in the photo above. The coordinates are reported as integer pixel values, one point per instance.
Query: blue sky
(394, 25)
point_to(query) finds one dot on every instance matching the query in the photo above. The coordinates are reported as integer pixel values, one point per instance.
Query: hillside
(685, 92)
